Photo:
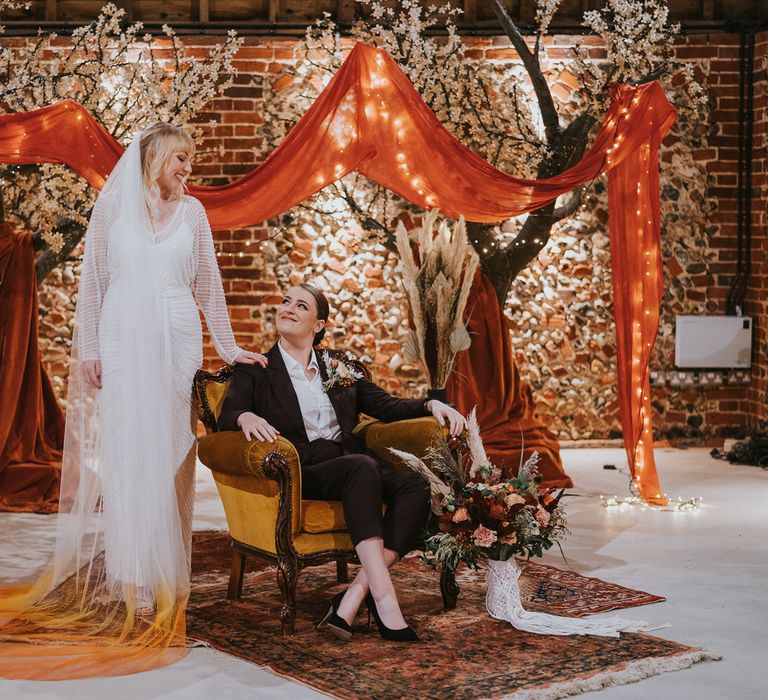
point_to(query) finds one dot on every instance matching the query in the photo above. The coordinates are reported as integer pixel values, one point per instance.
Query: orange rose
(513, 499)
(460, 515)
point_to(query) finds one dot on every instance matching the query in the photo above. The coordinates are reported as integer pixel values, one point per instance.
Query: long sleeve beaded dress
(123, 536)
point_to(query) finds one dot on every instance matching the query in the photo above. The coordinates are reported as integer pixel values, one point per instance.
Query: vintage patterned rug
(464, 653)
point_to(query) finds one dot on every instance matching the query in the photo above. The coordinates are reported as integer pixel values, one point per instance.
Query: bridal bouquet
(479, 514)
(482, 516)
(497, 519)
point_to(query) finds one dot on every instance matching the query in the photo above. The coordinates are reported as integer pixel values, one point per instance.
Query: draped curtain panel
(31, 422)
(370, 119)
(486, 376)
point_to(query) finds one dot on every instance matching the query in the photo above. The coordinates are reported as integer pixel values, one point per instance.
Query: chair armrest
(414, 435)
(229, 452)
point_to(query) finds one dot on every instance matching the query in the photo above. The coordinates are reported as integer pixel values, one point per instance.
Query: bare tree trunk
(502, 265)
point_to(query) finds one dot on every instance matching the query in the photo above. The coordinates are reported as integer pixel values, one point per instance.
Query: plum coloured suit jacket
(269, 393)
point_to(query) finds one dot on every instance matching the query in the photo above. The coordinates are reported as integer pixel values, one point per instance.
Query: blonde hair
(157, 143)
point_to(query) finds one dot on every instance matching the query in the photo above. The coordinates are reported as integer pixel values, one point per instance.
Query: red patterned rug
(464, 653)
(545, 588)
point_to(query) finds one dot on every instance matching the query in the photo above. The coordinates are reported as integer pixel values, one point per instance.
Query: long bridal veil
(124, 524)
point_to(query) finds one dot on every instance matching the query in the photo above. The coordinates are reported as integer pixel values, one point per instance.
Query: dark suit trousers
(362, 483)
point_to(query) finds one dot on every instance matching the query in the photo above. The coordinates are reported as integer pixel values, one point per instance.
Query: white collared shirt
(319, 416)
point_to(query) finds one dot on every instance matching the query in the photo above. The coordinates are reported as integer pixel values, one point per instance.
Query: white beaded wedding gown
(146, 330)
(124, 525)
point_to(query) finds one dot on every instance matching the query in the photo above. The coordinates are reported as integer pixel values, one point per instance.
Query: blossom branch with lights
(485, 104)
(116, 73)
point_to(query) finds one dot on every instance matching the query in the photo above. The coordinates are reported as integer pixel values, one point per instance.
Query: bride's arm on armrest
(377, 403)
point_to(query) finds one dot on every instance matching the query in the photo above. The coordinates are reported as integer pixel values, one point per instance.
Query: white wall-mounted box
(713, 341)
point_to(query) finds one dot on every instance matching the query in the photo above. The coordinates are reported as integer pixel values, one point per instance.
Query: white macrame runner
(503, 603)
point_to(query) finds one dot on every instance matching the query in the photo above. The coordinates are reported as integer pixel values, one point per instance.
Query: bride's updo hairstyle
(323, 308)
(157, 143)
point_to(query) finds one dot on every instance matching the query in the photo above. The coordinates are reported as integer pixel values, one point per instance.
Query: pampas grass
(480, 463)
(437, 280)
(439, 490)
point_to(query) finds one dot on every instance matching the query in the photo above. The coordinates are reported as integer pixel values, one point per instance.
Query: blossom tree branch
(112, 70)
(485, 105)
(503, 264)
(626, 29)
(530, 60)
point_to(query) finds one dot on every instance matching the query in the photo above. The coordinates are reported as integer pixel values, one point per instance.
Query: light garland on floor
(678, 505)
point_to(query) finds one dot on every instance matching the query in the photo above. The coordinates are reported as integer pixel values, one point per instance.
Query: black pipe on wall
(736, 303)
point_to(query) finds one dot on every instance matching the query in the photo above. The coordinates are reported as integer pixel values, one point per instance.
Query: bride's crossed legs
(376, 561)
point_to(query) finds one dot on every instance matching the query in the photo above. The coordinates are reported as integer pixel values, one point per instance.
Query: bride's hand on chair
(247, 357)
(255, 426)
(91, 372)
(447, 416)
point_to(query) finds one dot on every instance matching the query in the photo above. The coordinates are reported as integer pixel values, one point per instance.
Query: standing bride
(112, 598)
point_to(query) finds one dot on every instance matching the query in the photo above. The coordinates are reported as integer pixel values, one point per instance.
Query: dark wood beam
(345, 11)
(127, 5)
(203, 11)
(522, 11)
(50, 10)
(470, 11)
(274, 10)
(707, 9)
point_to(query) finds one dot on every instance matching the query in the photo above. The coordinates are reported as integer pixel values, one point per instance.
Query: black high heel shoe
(335, 624)
(402, 635)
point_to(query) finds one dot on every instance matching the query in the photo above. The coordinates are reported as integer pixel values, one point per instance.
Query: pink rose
(484, 537)
(334, 362)
(542, 516)
(460, 515)
(513, 499)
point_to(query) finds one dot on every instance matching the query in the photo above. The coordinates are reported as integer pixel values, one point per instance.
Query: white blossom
(545, 11)
(639, 41)
(114, 73)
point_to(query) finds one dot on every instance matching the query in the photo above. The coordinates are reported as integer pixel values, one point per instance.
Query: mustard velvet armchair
(260, 488)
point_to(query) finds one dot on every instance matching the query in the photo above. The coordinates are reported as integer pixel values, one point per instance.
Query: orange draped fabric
(506, 410)
(638, 286)
(371, 119)
(31, 422)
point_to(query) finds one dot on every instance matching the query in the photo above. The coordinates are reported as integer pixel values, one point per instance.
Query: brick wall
(707, 411)
(560, 308)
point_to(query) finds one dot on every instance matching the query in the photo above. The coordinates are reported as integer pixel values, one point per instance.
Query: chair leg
(287, 573)
(449, 588)
(342, 572)
(236, 574)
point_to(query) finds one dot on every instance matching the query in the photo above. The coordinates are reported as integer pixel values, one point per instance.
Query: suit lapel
(283, 389)
(340, 399)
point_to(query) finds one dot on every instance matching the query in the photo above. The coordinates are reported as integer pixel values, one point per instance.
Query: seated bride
(312, 398)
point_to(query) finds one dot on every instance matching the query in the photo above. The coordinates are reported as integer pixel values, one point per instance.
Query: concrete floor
(710, 564)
